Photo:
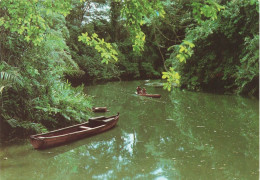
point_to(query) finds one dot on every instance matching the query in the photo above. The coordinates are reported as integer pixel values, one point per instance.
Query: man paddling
(144, 91)
(139, 90)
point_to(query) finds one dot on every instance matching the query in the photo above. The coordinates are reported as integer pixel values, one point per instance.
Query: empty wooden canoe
(100, 109)
(72, 133)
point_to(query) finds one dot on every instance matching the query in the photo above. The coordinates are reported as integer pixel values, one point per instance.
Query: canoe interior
(93, 122)
(65, 135)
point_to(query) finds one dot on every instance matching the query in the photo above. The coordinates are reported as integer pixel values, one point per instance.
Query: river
(182, 135)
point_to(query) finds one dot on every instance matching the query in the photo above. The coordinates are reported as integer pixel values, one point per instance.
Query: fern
(7, 80)
(12, 78)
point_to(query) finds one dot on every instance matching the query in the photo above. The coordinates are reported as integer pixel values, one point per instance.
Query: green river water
(183, 135)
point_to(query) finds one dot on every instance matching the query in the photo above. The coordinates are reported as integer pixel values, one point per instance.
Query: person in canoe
(139, 90)
(144, 91)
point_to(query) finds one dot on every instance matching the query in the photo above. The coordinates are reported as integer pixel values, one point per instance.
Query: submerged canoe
(100, 109)
(72, 133)
(150, 95)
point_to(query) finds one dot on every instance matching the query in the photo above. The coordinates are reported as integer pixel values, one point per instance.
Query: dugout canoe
(72, 133)
(100, 109)
(150, 95)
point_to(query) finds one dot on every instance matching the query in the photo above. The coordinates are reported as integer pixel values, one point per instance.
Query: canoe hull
(99, 109)
(151, 95)
(69, 134)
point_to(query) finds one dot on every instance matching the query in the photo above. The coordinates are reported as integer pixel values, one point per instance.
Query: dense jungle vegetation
(47, 45)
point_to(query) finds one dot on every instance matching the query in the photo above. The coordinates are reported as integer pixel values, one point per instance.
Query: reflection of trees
(216, 129)
(206, 134)
(184, 136)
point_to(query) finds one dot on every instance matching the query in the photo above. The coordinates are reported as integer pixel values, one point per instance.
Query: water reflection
(183, 135)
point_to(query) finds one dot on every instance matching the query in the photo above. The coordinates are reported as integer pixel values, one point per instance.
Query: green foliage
(106, 50)
(40, 48)
(248, 72)
(27, 18)
(149, 69)
(226, 54)
(34, 94)
(87, 57)
(208, 9)
(185, 51)
(135, 12)
(129, 65)
(70, 104)
(7, 80)
(94, 70)
(172, 78)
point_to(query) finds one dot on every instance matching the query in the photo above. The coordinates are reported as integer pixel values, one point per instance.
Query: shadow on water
(182, 135)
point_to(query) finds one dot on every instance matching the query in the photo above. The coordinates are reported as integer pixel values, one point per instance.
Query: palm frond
(7, 79)
(1, 88)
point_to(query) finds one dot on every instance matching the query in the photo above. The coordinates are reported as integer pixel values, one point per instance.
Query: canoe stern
(36, 142)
